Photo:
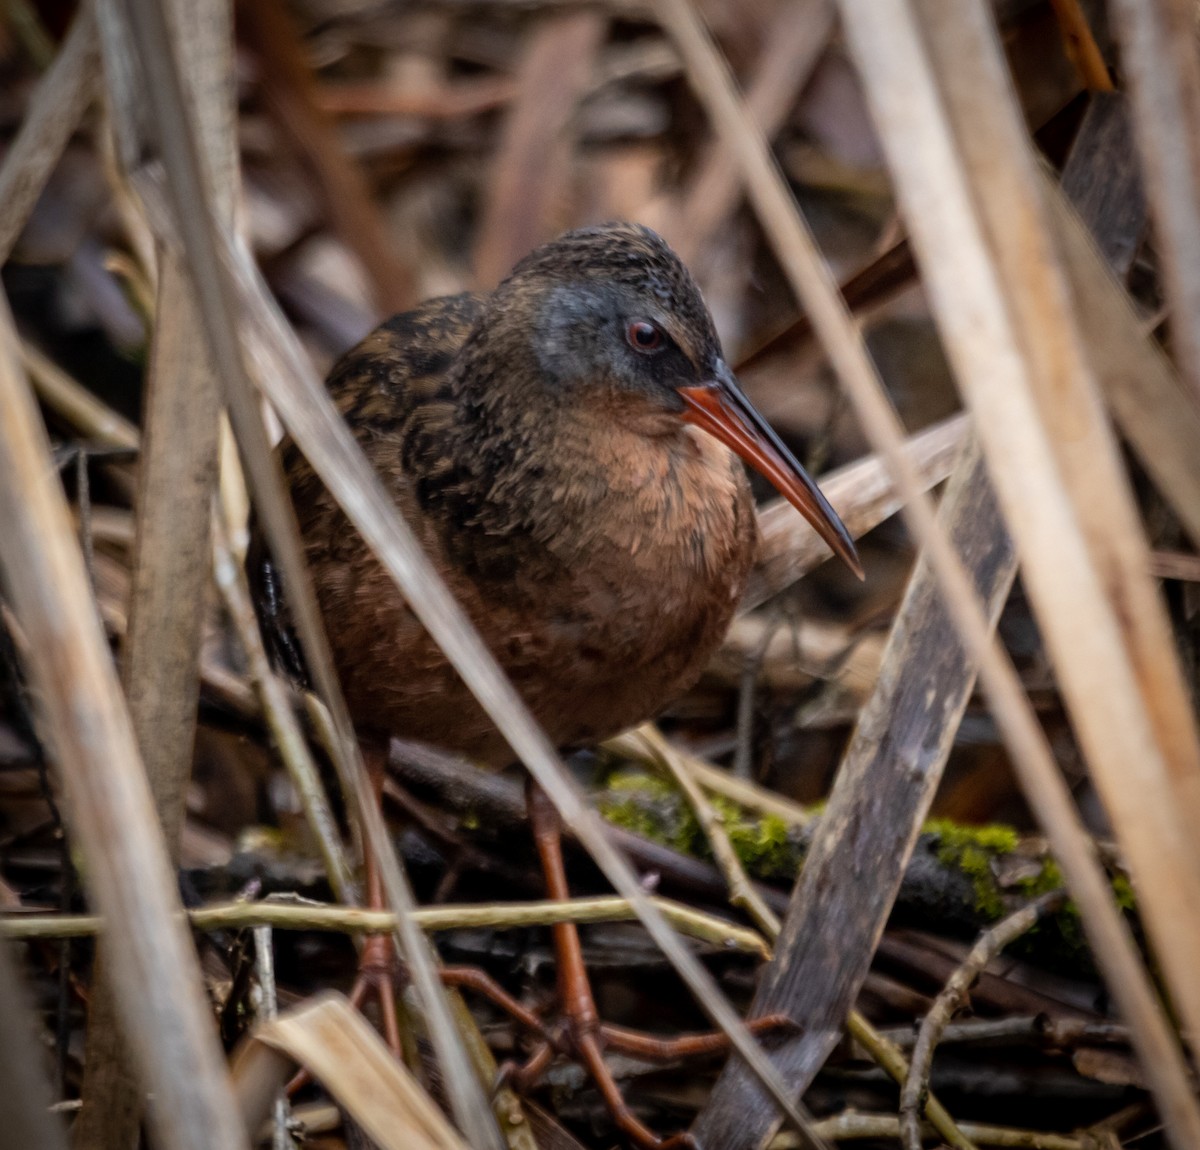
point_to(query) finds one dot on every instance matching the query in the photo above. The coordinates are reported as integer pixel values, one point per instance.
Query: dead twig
(1081, 45)
(306, 915)
(1158, 52)
(951, 998)
(851, 1125)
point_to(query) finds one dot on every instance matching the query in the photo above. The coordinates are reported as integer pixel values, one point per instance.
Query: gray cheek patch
(575, 330)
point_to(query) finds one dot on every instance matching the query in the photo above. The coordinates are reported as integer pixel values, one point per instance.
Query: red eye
(644, 335)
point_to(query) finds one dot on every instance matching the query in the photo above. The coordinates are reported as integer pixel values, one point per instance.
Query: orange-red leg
(575, 990)
(472, 978)
(377, 962)
(654, 1049)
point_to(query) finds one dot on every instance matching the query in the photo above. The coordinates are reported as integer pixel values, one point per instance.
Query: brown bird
(565, 447)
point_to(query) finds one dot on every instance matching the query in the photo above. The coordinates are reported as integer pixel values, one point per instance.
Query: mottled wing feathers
(391, 390)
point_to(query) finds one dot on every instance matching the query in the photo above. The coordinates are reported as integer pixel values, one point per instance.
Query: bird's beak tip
(722, 409)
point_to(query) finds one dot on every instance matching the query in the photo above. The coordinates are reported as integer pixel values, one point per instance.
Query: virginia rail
(565, 448)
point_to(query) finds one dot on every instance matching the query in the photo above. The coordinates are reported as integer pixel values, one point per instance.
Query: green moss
(653, 807)
(1048, 878)
(1123, 891)
(762, 843)
(972, 851)
(641, 783)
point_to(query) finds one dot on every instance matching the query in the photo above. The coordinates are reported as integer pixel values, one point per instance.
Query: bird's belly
(598, 650)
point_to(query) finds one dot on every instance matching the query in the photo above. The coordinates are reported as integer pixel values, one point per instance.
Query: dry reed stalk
(54, 112)
(741, 890)
(1155, 412)
(792, 45)
(170, 563)
(276, 705)
(884, 788)
(1137, 693)
(153, 970)
(1158, 51)
(891, 47)
(78, 406)
(969, 298)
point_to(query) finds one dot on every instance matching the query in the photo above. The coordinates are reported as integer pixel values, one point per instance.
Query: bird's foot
(587, 1043)
(378, 968)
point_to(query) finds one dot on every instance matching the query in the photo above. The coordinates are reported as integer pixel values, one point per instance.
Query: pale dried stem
(268, 1010)
(278, 711)
(306, 915)
(1159, 54)
(741, 890)
(720, 782)
(205, 238)
(69, 399)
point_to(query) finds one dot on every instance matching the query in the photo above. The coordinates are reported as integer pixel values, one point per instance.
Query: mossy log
(961, 878)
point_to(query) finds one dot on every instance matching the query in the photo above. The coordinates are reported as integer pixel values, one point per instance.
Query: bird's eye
(644, 336)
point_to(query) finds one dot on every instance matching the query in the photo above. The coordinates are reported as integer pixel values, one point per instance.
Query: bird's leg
(583, 1020)
(377, 962)
(655, 1049)
(472, 978)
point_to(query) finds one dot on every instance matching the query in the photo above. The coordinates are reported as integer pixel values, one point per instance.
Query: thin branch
(356, 920)
(989, 945)
(741, 890)
(851, 1125)
(268, 1010)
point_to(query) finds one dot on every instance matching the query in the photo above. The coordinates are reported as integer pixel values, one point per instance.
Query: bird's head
(610, 314)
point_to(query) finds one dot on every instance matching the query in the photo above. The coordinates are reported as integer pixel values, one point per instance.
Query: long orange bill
(722, 409)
